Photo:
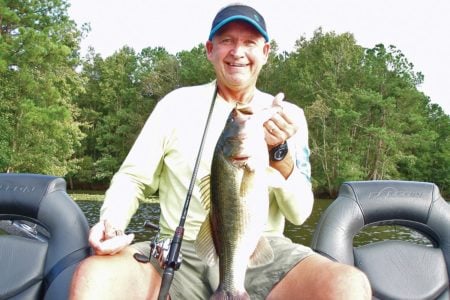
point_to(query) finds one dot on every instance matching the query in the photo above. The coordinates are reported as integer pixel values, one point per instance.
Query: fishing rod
(173, 261)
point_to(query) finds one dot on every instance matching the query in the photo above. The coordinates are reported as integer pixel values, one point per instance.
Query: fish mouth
(240, 161)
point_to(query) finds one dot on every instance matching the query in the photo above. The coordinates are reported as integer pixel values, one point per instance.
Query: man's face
(238, 52)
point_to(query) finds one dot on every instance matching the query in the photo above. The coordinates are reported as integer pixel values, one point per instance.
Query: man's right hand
(106, 240)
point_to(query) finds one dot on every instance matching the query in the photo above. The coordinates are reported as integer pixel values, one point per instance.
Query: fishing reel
(159, 249)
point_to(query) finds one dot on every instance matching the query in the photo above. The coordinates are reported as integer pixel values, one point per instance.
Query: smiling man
(237, 52)
(162, 160)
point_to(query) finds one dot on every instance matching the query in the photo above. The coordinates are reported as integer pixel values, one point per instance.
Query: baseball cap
(239, 12)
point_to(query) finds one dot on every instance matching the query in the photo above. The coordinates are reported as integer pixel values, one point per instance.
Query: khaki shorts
(196, 280)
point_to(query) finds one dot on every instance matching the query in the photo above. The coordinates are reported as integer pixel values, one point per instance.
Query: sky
(420, 29)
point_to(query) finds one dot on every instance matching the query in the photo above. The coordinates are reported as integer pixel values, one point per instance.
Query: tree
(38, 57)
(430, 157)
(115, 106)
(367, 119)
(394, 115)
(322, 72)
(159, 72)
(195, 67)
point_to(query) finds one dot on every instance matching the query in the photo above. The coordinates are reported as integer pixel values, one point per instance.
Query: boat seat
(396, 269)
(40, 263)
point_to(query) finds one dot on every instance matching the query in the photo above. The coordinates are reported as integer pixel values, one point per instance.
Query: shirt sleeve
(138, 175)
(294, 196)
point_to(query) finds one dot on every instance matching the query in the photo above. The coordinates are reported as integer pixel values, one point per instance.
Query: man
(162, 159)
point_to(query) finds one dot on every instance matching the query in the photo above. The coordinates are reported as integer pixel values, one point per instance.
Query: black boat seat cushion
(22, 264)
(396, 269)
(32, 268)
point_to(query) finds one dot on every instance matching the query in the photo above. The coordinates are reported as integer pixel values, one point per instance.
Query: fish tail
(226, 295)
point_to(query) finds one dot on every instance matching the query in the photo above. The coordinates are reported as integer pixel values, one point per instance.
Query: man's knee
(349, 282)
(91, 272)
(333, 280)
(110, 276)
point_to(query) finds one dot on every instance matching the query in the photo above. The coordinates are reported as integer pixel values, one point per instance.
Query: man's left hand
(280, 126)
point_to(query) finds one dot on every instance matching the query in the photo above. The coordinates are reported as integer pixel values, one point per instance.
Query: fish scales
(238, 204)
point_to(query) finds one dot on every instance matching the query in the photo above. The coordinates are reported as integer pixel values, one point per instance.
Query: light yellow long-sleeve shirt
(163, 158)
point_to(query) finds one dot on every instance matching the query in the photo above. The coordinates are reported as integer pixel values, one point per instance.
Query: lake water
(300, 234)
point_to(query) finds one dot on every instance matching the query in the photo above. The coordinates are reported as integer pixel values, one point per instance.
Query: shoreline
(99, 197)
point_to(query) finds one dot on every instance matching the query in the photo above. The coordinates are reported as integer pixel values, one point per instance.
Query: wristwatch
(279, 152)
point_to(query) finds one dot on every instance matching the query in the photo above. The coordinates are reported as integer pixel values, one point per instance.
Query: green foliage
(120, 94)
(114, 107)
(159, 72)
(367, 120)
(195, 67)
(38, 56)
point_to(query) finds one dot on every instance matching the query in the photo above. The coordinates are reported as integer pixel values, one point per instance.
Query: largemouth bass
(236, 195)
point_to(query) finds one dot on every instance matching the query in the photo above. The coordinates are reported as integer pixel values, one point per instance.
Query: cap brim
(236, 18)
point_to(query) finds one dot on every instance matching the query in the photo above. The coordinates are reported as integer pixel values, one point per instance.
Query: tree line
(77, 117)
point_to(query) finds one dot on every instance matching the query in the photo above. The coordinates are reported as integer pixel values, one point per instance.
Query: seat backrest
(396, 269)
(42, 268)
